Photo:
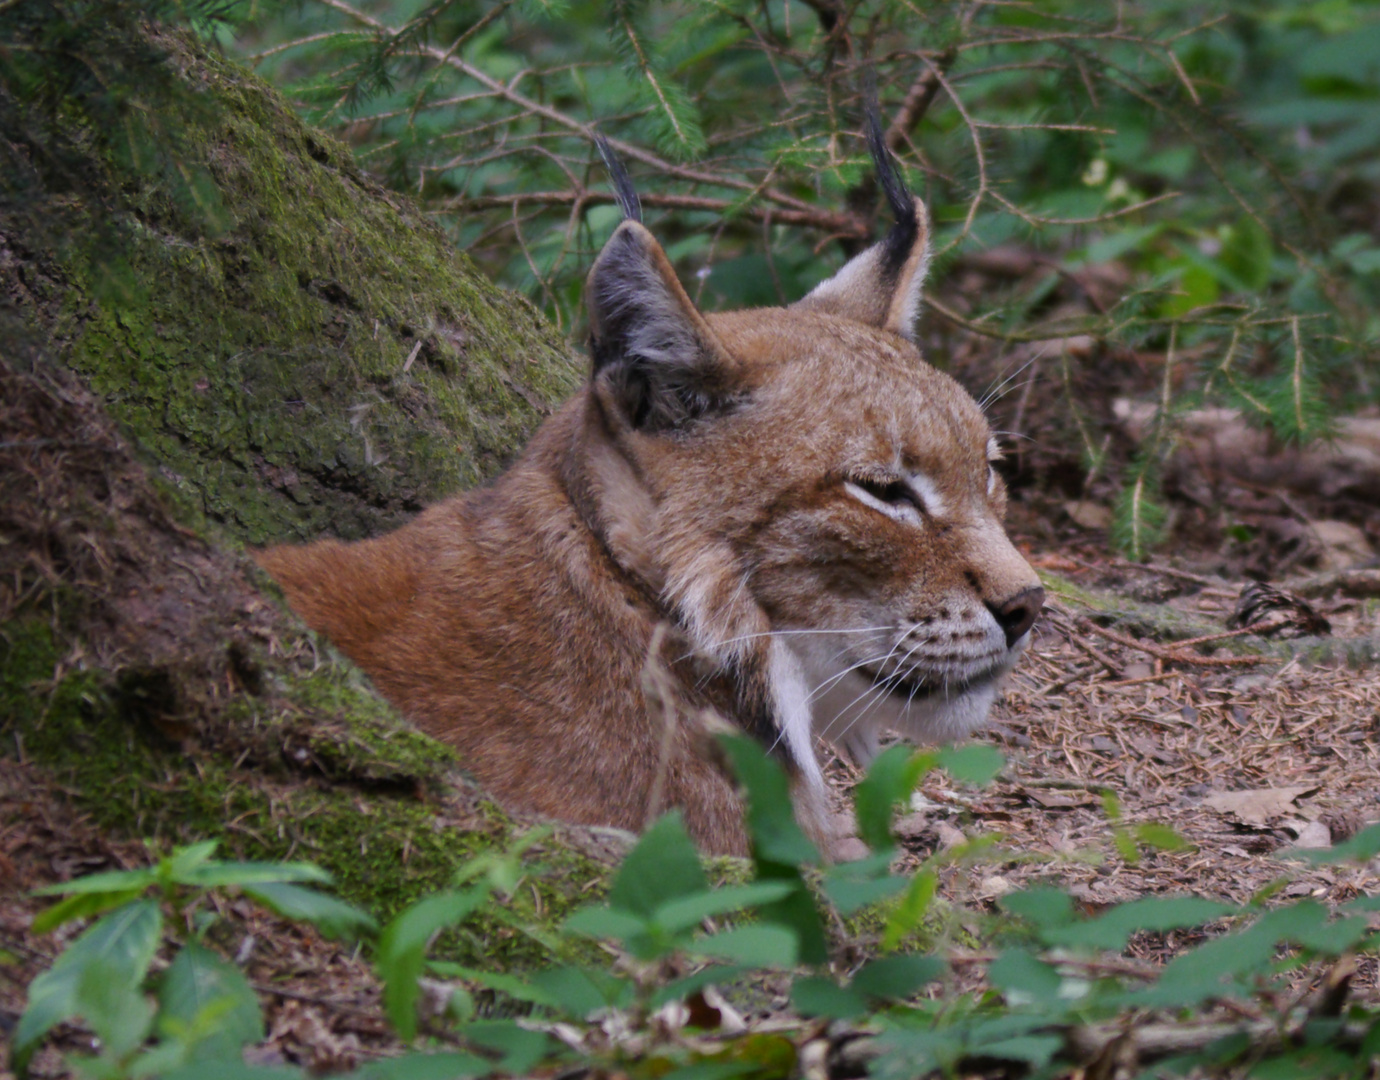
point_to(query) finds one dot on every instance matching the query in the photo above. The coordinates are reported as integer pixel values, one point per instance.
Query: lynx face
(816, 503)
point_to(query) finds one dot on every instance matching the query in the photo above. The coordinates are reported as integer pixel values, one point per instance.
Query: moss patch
(321, 361)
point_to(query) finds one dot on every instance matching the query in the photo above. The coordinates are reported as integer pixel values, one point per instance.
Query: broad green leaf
(123, 942)
(910, 910)
(1024, 978)
(81, 906)
(184, 860)
(238, 1070)
(119, 1013)
(849, 895)
(975, 763)
(206, 1002)
(776, 837)
(111, 881)
(897, 977)
(1333, 938)
(514, 986)
(580, 991)
(1158, 913)
(757, 946)
(1196, 287)
(664, 866)
(401, 957)
(677, 915)
(419, 1066)
(521, 1049)
(716, 1070)
(779, 847)
(815, 996)
(332, 916)
(890, 779)
(602, 922)
(1042, 906)
(254, 873)
(1246, 253)
(1036, 1050)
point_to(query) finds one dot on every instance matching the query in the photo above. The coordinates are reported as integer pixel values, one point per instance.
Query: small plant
(1053, 1000)
(201, 1008)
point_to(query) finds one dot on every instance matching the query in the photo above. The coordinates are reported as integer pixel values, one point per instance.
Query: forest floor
(1247, 763)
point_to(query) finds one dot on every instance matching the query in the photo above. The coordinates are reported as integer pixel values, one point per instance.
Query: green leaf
(776, 836)
(664, 866)
(254, 873)
(122, 944)
(419, 1066)
(238, 1070)
(1035, 1050)
(755, 946)
(208, 1004)
(1196, 287)
(601, 922)
(1157, 913)
(1042, 906)
(111, 881)
(897, 977)
(521, 1049)
(1247, 252)
(814, 996)
(81, 906)
(402, 948)
(890, 778)
(849, 895)
(975, 763)
(1023, 978)
(686, 912)
(332, 916)
(905, 919)
(119, 1013)
(514, 986)
(580, 991)
(184, 860)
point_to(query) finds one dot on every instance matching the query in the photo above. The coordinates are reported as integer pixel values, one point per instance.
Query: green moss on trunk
(320, 360)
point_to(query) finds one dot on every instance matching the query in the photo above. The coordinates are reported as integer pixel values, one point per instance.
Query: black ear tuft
(900, 238)
(623, 189)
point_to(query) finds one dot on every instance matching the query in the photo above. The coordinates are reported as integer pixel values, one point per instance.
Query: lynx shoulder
(808, 507)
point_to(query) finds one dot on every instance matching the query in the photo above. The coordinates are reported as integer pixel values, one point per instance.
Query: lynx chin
(808, 508)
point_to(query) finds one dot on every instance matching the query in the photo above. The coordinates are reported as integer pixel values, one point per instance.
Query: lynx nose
(1017, 615)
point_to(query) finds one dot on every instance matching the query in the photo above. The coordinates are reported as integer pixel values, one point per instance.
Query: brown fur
(706, 478)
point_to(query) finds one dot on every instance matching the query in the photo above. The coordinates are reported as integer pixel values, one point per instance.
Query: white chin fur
(852, 711)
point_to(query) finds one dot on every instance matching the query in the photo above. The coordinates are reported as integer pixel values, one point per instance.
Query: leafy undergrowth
(1043, 987)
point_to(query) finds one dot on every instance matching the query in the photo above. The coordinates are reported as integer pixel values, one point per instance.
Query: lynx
(808, 508)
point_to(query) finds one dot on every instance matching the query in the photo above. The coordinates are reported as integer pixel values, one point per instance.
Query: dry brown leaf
(1257, 806)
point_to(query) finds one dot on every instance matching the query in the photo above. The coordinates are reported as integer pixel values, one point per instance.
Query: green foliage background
(1222, 155)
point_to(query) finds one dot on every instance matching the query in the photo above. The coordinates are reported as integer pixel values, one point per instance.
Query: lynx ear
(882, 286)
(651, 347)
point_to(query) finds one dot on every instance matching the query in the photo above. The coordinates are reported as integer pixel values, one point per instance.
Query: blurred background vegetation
(1168, 202)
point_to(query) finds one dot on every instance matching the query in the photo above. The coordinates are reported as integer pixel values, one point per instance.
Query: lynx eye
(891, 492)
(909, 501)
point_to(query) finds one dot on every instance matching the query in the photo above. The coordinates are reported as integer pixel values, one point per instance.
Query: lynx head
(813, 503)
